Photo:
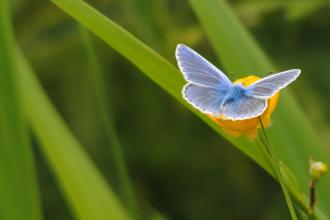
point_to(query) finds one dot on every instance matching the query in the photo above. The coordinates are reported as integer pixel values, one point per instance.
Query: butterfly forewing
(198, 70)
(269, 85)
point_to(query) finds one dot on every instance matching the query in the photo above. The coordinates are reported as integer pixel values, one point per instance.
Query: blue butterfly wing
(269, 85)
(198, 70)
(206, 99)
(207, 86)
(254, 101)
(243, 108)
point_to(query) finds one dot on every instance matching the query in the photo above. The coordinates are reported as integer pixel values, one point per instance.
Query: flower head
(317, 169)
(248, 126)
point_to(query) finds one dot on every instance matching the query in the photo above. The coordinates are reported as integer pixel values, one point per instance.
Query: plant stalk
(312, 195)
(278, 173)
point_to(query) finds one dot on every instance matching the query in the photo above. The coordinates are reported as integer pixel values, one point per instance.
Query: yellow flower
(248, 126)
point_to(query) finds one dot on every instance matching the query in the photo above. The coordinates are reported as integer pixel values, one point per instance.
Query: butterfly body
(236, 92)
(210, 91)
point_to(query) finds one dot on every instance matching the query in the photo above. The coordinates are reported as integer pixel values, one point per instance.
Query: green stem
(312, 196)
(266, 156)
(271, 153)
(20, 198)
(96, 76)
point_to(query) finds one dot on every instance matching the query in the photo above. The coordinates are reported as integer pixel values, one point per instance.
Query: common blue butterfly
(211, 91)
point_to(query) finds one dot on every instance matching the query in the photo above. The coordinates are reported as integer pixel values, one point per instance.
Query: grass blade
(18, 183)
(292, 135)
(86, 190)
(148, 61)
(155, 67)
(99, 88)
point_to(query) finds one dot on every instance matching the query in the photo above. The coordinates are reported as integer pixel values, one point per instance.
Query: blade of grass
(157, 69)
(85, 189)
(99, 88)
(148, 61)
(292, 135)
(18, 182)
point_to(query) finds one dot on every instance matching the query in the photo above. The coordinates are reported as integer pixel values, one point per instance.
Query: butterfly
(209, 90)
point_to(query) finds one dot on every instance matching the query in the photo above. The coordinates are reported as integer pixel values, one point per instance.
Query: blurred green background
(177, 164)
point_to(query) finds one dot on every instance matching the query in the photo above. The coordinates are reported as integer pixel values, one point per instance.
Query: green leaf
(85, 188)
(18, 183)
(148, 61)
(99, 89)
(165, 74)
(291, 134)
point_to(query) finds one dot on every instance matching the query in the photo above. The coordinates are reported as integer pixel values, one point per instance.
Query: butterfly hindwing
(243, 108)
(206, 99)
